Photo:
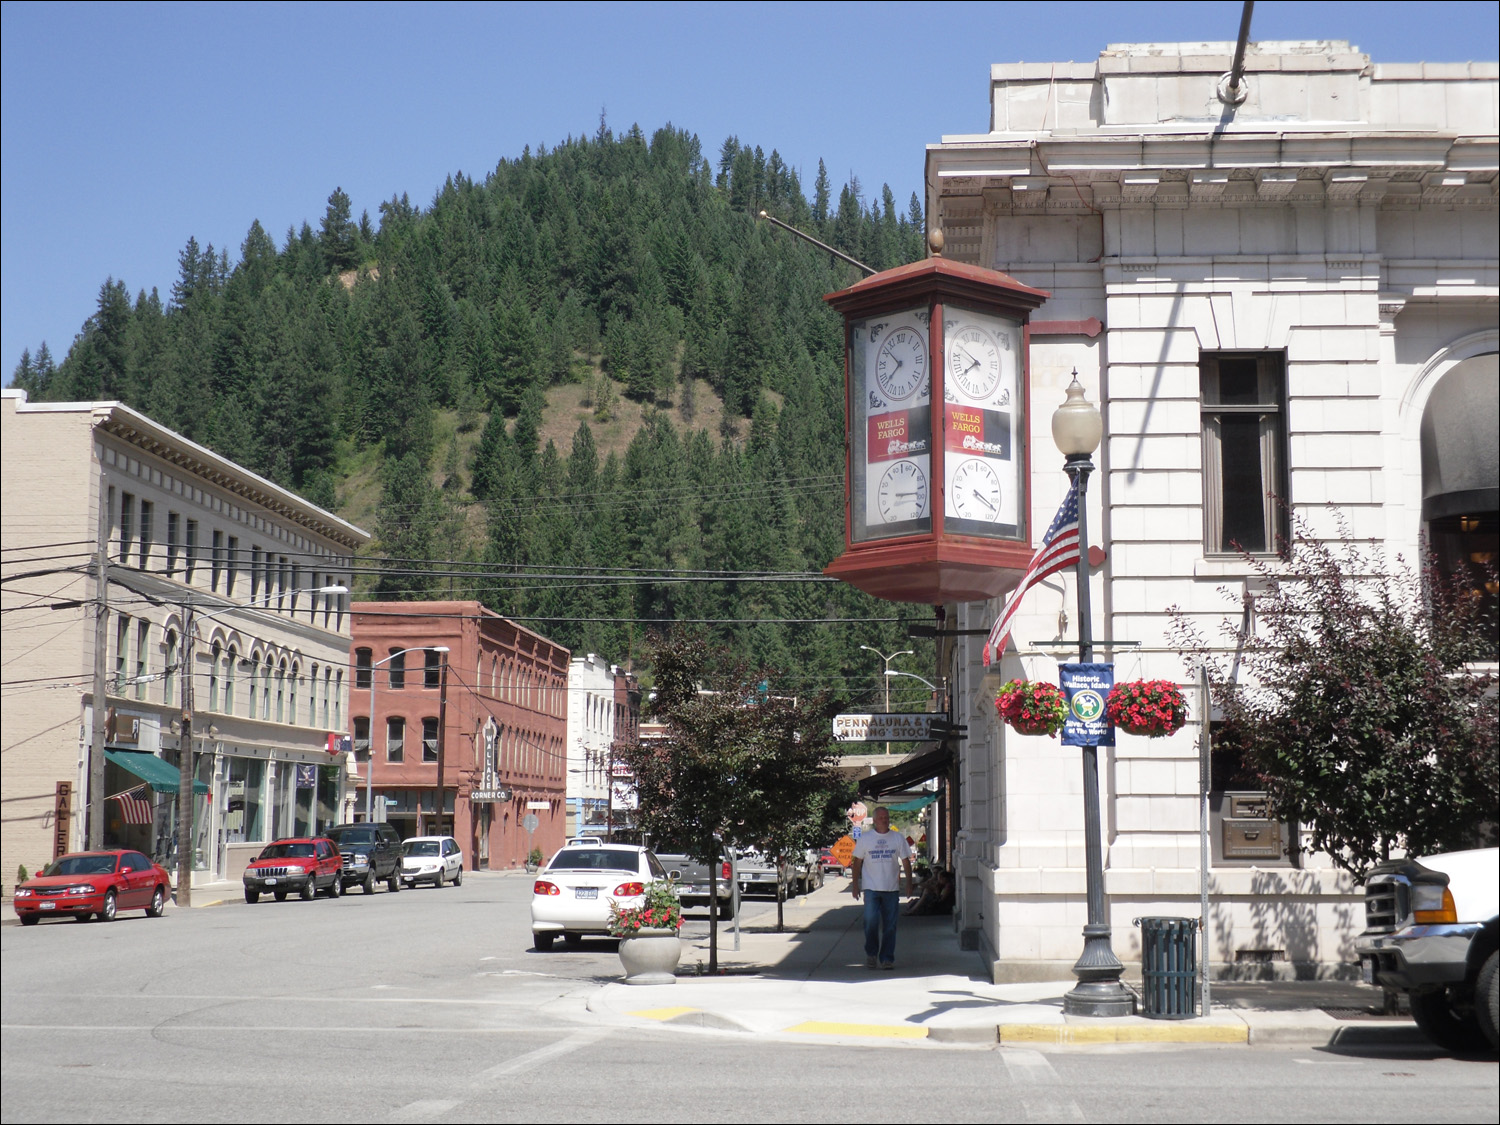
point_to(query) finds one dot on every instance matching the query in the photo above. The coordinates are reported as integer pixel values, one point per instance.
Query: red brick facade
(495, 671)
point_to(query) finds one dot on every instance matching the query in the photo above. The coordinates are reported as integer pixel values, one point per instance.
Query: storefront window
(306, 780)
(243, 821)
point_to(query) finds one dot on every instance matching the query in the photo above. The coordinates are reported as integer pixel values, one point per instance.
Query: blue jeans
(881, 909)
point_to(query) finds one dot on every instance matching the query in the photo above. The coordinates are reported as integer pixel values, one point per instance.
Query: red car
(102, 883)
(305, 864)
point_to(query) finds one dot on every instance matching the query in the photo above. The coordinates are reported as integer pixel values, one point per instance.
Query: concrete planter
(651, 956)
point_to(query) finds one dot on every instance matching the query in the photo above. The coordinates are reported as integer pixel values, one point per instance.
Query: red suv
(305, 864)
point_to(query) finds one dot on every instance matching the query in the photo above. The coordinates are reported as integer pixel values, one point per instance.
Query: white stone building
(1298, 294)
(182, 527)
(591, 735)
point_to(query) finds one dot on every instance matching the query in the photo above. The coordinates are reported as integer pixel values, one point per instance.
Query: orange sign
(843, 850)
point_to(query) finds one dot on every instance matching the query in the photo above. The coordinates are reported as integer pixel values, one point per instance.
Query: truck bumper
(1418, 956)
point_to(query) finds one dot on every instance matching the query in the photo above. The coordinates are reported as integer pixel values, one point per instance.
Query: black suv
(371, 854)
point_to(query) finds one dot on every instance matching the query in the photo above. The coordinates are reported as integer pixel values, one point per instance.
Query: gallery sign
(908, 727)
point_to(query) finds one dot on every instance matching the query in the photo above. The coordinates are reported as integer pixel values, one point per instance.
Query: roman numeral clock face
(974, 363)
(901, 364)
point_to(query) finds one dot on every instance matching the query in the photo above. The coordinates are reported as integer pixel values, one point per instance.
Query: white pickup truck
(1431, 931)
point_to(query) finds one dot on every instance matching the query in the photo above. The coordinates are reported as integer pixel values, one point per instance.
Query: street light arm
(911, 676)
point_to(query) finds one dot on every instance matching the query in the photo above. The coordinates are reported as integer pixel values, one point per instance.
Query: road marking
(661, 1013)
(865, 1030)
(535, 1058)
(1030, 1069)
(430, 1107)
(262, 1029)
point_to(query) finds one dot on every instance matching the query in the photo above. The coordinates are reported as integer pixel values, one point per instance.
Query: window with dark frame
(174, 535)
(397, 669)
(233, 566)
(127, 526)
(429, 740)
(190, 550)
(1244, 451)
(216, 561)
(148, 514)
(432, 670)
(362, 669)
(395, 738)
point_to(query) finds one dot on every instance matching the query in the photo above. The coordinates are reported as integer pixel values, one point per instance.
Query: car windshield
(81, 865)
(287, 851)
(421, 847)
(595, 859)
(353, 836)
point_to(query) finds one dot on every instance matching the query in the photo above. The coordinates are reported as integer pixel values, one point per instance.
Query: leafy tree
(1353, 704)
(740, 765)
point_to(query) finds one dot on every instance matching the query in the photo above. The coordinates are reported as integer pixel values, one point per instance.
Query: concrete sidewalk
(811, 982)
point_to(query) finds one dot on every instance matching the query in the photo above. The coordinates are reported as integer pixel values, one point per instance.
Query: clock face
(901, 364)
(903, 492)
(976, 491)
(973, 363)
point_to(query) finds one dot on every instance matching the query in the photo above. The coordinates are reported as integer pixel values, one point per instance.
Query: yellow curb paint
(1067, 1034)
(661, 1013)
(868, 1030)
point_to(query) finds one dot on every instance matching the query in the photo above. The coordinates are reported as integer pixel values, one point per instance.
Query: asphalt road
(430, 1006)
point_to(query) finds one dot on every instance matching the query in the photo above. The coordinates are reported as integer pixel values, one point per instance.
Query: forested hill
(429, 350)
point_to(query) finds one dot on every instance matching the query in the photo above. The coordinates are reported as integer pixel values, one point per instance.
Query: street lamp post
(887, 662)
(1077, 429)
(370, 764)
(186, 769)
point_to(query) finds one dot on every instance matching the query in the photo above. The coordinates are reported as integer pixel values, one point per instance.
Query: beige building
(182, 528)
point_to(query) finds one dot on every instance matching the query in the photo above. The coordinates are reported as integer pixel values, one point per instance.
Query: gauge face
(903, 492)
(973, 363)
(976, 491)
(901, 364)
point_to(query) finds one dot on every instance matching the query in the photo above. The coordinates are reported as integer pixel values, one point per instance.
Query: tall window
(312, 698)
(174, 544)
(127, 526)
(429, 740)
(254, 677)
(216, 561)
(1244, 451)
(265, 690)
(233, 562)
(142, 641)
(285, 585)
(190, 549)
(230, 660)
(148, 522)
(362, 669)
(361, 732)
(432, 669)
(395, 739)
(169, 668)
(291, 698)
(338, 702)
(327, 691)
(213, 677)
(254, 573)
(122, 651)
(398, 669)
(296, 585)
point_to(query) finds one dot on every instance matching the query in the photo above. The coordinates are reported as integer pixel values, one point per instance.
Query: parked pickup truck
(692, 879)
(1431, 931)
(760, 875)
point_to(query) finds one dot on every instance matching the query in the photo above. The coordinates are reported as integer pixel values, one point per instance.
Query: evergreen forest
(404, 372)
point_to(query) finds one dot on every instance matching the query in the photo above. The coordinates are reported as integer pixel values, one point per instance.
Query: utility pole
(186, 772)
(442, 727)
(101, 659)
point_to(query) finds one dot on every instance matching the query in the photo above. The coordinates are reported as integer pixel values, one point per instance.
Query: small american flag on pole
(135, 805)
(1059, 550)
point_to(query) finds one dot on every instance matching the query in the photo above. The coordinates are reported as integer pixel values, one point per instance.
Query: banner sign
(307, 777)
(1087, 687)
(912, 727)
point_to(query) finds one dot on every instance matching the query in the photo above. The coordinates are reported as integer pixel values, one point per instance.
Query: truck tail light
(629, 890)
(543, 887)
(1428, 908)
(724, 874)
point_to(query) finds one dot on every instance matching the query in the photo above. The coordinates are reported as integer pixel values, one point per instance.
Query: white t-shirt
(882, 854)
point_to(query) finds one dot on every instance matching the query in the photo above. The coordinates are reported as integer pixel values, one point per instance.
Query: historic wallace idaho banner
(1087, 687)
(911, 727)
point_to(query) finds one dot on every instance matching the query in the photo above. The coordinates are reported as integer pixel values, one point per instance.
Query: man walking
(882, 858)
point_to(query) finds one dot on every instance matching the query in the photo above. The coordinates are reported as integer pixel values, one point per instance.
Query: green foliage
(1353, 703)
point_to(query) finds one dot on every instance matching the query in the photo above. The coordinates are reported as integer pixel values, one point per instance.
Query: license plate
(1367, 969)
(270, 882)
(585, 892)
(47, 906)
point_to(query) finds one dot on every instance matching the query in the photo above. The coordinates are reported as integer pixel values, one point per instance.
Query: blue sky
(126, 128)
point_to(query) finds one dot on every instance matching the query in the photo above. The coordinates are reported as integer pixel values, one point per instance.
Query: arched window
(362, 669)
(291, 701)
(230, 660)
(216, 656)
(395, 738)
(281, 692)
(253, 676)
(169, 666)
(312, 698)
(327, 691)
(338, 703)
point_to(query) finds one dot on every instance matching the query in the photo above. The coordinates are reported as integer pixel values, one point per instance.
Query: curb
(1074, 1035)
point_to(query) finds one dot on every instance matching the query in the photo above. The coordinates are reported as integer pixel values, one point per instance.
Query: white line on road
(540, 1055)
(1030, 1069)
(430, 1107)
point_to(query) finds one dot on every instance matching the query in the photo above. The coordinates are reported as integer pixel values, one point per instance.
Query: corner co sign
(1086, 687)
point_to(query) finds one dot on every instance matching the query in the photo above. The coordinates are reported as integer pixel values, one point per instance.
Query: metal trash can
(1169, 968)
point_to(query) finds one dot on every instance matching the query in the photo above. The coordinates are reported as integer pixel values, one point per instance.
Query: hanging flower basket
(1032, 708)
(1150, 708)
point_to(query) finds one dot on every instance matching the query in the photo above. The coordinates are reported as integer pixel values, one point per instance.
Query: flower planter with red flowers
(1029, 707)
(649, 945)
(1149, 708)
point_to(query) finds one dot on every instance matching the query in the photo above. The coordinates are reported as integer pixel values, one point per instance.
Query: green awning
(913, 805)
(161, 776)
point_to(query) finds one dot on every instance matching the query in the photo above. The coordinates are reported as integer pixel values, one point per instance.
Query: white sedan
(574, 892)
(431, 859)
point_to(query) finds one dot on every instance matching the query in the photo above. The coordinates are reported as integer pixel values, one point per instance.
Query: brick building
(490, 713)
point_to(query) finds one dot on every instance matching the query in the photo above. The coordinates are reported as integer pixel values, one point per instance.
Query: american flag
(1059, 550)
(135, 804)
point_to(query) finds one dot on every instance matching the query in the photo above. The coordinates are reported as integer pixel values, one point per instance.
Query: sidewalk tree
(739, 765)
(1351, 692)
